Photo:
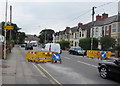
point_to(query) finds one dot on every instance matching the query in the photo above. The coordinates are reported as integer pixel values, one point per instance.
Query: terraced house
(102, 26)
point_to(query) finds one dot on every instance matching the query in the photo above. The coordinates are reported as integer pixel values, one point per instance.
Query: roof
(109, 20)
(61, 32)
(106, 21)
(74, 29)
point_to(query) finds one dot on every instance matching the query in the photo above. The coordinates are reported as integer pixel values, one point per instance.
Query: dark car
(29, 46)
(77, 51)
(23, 45)
(109, 68)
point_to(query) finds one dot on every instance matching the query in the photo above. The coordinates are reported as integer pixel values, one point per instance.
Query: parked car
(77, 51)
(109, 69)
(29, 46)
(23, 45)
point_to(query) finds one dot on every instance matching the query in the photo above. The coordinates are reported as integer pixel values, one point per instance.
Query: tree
(86, 43)
(13, 32)
(21, 37)
(107, 42)
(64, 44)
(46, 35)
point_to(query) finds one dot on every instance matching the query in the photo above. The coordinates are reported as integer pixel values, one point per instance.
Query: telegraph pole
(5, 30)
(10, 21)
(93, 12)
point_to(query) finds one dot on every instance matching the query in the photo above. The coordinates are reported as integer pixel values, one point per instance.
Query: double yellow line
(45, 71)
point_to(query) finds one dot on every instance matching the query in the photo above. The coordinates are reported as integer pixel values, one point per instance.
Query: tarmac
(8, 68)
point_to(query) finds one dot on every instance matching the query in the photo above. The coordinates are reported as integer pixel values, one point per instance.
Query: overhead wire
(83, 14)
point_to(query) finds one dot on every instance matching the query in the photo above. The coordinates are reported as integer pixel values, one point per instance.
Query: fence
(39, 56)
(98, 54)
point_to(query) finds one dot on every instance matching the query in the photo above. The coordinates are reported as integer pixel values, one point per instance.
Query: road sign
(9, 27)
(56, 56)
(103, 54)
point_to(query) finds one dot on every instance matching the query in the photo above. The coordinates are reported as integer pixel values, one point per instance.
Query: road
(73, 70)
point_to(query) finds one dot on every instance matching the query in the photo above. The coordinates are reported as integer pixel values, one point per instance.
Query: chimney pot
(98, 17)
(80, 24)
(104, 16)
(67, 27)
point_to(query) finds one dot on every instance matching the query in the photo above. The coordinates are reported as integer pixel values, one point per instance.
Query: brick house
(103, 26)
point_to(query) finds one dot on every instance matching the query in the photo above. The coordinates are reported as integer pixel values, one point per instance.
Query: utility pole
(45, 36)
(93, 12)
(5, 30)
(10, 21)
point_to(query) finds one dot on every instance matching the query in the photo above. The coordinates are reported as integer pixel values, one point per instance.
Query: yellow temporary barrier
(97, 54)
(39, 56)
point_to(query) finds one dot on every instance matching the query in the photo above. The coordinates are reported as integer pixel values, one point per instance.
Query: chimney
(80, 24)
(104, 16)
(98, 17)
(67, 27)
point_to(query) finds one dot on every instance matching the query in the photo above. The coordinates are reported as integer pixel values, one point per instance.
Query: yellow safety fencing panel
(39, 56)
(97, 54)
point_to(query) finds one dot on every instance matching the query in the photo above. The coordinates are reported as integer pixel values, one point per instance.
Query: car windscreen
(78, 49)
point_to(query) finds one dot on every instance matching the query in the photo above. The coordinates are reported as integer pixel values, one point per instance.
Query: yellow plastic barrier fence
(39, 56)
(97, 54)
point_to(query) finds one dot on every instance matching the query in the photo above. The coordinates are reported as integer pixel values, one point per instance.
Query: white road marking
(86, 63)
(50, 75)
(39, 70)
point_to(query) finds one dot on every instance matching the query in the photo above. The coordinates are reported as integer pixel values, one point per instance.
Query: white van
(53, 47)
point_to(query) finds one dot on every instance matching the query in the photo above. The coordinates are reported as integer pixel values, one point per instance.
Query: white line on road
(39, 70)
(87, 64)
(50, 75)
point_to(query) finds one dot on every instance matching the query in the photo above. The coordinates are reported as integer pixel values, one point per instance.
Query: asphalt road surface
(73, 70)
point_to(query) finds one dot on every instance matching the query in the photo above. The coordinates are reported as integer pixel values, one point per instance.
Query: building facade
(102, 26)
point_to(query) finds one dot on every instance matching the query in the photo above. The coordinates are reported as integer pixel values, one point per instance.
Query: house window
(102, 31)
(114, 28)
(80, 34)
(106, 30)
(118, 27)
(96, 32)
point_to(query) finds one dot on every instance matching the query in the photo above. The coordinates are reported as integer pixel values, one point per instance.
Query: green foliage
(107, 42)
(13, 32)
(117, 48)
(86, 43)
(64, 44)
(21, 37)
(46, 35)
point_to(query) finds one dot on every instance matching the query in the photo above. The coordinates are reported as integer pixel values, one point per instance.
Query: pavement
(16, 72)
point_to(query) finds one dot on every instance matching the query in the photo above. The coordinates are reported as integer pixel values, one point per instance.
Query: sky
(35, 15)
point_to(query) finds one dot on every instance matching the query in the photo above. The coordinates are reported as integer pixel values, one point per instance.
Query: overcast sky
(34, 15)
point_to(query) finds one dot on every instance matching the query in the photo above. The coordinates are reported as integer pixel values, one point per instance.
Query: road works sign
(56, 56)
(9, 27)
(103, 54)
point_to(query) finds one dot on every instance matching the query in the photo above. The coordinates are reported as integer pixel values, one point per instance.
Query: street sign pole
(5, 31)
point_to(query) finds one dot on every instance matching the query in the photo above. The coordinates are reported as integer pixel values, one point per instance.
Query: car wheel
(104, 72)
